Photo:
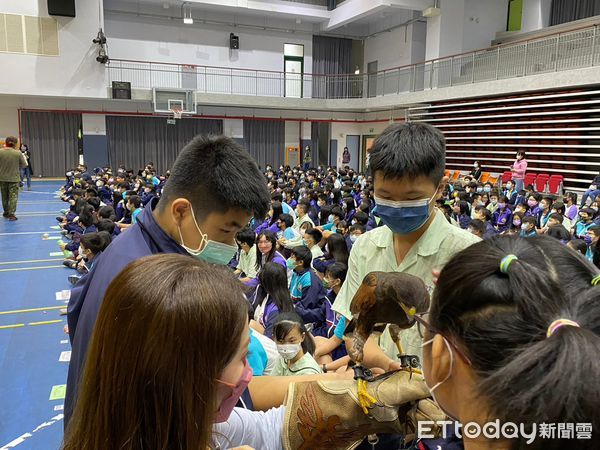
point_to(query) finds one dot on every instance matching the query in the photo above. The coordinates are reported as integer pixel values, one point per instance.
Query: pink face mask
(233, 392)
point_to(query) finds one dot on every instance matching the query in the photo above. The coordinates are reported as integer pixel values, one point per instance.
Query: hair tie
(506, 262)
(596, 280)
(560, 323)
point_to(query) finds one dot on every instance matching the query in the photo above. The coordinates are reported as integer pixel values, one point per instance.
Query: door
(367, 144)
(333, 145)
(293, 78)
(353, 144)
(372, 80)
(293, 68)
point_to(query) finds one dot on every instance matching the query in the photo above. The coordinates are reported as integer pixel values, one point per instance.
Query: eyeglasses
(423, 325)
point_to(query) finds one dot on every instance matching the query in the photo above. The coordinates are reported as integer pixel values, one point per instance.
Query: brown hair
(10, 141)
(167, 327)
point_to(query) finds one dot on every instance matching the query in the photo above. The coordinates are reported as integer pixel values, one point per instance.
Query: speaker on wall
(65, 8)
(121, 90)
(234, 42)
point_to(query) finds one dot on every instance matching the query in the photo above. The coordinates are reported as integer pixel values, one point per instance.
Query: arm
(270, 392)
(23, 161)
(328, 346)
(374, 355)
(335, 365)
(259, 430)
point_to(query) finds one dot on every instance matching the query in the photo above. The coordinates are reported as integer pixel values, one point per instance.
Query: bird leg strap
(327, 414)
(362, 375)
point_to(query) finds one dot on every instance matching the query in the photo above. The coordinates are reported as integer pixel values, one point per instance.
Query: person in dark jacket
(26, 172)
(214, 189)
(306, 290)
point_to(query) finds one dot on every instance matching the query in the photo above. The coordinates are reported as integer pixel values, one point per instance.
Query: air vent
(28, 35)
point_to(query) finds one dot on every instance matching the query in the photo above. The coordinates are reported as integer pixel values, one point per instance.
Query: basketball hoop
(177, 112)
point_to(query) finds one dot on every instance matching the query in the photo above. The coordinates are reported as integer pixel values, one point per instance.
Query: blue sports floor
(31, 329)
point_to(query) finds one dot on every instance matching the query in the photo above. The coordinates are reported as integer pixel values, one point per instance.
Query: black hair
(409, 150)
(338, 212)
(277, 197)
(135, 201)
(287, 220)
(107, 212)
(272, 238)
(216, 174)
(361, 217)
(500, 322)
(107, 225)
(578, 245)
(337, 248)
(478, 226)
(556, 216)
(288, 321)
(94, 202)
(315, 234)
(559, 232)
(337, 196)
(572, 196)
(324, 214)
(358, 227)
(273, 282)
(486, 212)
(302, 253)
(464, 207)
(246, 236)
(92, 190)
(277, 211)
(503, 199)
(521, 153)
(559, 207)
(95, 242)
(589, 211)
(529, 219)
(595, 229)
(337, 270)
(304, 205)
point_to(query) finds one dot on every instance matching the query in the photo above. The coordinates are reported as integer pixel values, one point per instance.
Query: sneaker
(73, 279)
(70, 263)
(63, 312)
(12, 218)
(5, 214)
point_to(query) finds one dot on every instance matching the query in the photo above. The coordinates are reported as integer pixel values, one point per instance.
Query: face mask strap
(203, 237)
(449, 347)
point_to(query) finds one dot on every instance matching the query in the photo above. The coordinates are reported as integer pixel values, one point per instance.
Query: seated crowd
(294, 261)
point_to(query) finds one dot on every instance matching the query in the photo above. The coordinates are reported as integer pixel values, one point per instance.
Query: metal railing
(562, 51)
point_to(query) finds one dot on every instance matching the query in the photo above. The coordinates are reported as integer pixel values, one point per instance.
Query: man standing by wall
(11, 161)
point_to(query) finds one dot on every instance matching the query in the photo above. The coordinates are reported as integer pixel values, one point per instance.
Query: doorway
(293, 68)
(372, 78)
(353, 144)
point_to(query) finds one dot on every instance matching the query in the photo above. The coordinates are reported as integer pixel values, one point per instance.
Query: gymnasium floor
(32, 340)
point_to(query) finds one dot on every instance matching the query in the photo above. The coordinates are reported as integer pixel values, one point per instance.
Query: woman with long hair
(272, 297)
(165, 363)
(337, 251)
(270, 224)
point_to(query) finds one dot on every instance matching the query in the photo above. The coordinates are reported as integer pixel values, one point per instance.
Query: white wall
(74, 72)
(292, 133)
(482, 19)
(160, 40)
(536, 15)
(389, 49)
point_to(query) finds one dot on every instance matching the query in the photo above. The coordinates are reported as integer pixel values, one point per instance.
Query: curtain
(563, 11)
(52, 140)
(265, 141)
(331, 56)
(136, 141)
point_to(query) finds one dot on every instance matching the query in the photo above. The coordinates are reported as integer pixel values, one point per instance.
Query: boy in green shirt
(407, 162)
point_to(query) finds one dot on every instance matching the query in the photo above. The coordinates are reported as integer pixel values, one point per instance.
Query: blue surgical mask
(290, 263)
(487, 189)
(404, 217)
(330, 218)
(353, 238)
(210, 251)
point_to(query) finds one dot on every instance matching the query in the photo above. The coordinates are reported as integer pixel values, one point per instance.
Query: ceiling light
(188, 20)
(357, 71)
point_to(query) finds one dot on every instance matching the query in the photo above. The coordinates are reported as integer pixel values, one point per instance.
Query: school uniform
(262, 354)
(277, 258)
(512, 196)
(308, 294)
(502, 219)
(247, 262)
(374, 251)
(321, 264)
(135, 214)
(581, 229)
(144, 238)
(489, 231)
(527, 234)
(304, 366)
(74, 244)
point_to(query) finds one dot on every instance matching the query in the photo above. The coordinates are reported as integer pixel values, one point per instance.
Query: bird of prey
(383, 298)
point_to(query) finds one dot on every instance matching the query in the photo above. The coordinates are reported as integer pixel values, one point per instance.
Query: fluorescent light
(357, 71)
(187, 14)
(188, 20)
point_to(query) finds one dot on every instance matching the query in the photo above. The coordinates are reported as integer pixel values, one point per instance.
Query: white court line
(28, 232)
(36, 192)
(21, 439)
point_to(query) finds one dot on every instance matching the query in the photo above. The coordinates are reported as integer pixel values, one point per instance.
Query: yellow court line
(18, 325)
(31, 268)
(30, 310)
(47, 322)
(9, 263)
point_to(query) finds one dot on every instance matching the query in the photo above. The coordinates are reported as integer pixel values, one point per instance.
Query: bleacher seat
(506, 176)
(541, 182)
(555, 184)
(530, 178)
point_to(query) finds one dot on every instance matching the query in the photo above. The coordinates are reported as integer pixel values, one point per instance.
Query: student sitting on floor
(90, 247)
(528, 227)
(295, 346)
(306, 290)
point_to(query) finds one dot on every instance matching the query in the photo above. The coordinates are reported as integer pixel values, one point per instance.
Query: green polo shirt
(374, 251)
